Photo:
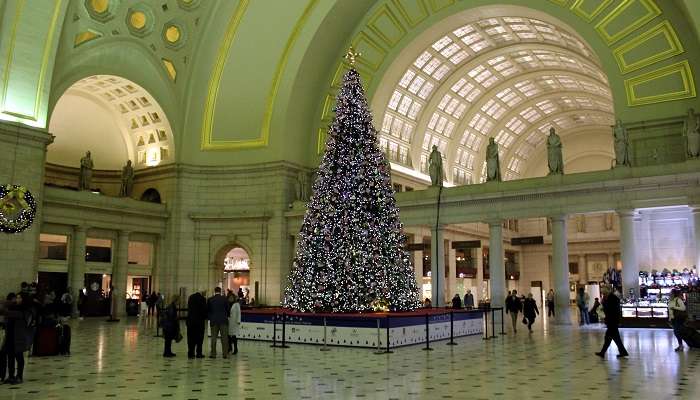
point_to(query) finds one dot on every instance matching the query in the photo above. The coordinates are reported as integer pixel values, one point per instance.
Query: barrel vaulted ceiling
(241, 82)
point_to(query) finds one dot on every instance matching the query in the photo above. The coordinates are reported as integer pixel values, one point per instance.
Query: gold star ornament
(351, 56)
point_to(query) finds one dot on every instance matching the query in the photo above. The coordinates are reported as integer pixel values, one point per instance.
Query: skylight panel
(460, 110)
(441, 72)
(414, 110)
(477, 47)
(514, 164)
(495, 30)
(426, 141)
(516, 125)
(406, 132)
(458, 85)
(451, 106)
(440, 126)
(504, 139)
(535, 138)
(472, 38)
(484, 75)
(422, 59)
(405, 103)
(443, 102)
(416, 84)
(489, 82)
(472, 95)
(450, 50)
(394, 101)
(431, 66)
(426, 90)
(530, 114)
(465, 30)
(441, 43)
(386, 124)
(459, 57)
(524, 151)
(449, 128)
(403, 155)
(476, 71)
(406, 79)
(396, 127)
(433, 120)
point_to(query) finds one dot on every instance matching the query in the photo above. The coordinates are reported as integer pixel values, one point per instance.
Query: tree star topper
(352, 56)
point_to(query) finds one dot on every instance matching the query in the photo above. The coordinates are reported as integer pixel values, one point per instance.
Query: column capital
(123, 233)
(626, 212)
(440, 227)
(558, 217)
(80, 228)
(494, 222)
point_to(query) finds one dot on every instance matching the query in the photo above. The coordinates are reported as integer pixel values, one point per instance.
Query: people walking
(530, 310)
(151, 301)
(196, 324)
(469, 300)
(613, 314)
(456, 301)
(678, 315)
(234, 325)
(217, 313)
(513, 307)
(171, 325)
(582, 304)
(550, 303)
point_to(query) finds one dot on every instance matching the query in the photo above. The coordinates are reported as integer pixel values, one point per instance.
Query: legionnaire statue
(435, 167)
(85, 179)
(127, 180)
(622, 151)
(493, 165)
(554, 158)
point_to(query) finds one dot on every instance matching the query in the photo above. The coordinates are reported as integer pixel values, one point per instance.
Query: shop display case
(645, 314)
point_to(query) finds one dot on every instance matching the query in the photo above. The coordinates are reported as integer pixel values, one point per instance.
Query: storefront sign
(467, 244)
(528, 240)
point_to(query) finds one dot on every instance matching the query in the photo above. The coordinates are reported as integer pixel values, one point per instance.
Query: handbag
(524, 321)
(178, 338)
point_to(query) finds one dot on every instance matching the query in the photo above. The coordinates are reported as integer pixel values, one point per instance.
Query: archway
(504, 73)
(115, 119)
(234, 262)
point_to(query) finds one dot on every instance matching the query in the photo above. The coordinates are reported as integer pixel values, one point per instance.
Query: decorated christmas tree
(351, 254)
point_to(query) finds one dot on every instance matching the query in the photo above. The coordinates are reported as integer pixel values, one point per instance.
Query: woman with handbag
(171, 326)
(678, 315)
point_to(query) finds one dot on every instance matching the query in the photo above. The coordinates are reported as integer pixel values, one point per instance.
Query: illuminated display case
(645, 314)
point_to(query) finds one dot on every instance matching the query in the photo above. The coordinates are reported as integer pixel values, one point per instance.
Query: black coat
(530, 308)
(513, 305)
(612, 310)
(218, 309)
(17, 319)
(196, 309)
(170, 324)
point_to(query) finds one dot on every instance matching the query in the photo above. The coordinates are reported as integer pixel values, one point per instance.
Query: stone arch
(218, 264)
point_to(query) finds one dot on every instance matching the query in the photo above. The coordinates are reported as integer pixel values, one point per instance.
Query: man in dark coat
(513, 307)
(613, 314)
(217, 313)
(196, 321)
(17, 318)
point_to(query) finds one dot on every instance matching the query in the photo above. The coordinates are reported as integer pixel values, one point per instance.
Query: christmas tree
(351, 254)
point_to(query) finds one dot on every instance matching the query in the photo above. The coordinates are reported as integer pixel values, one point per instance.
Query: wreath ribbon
(18, 193)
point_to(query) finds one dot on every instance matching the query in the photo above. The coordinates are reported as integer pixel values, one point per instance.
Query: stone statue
(692, 133)
(608, 221)
(127, 180)
(554, 158)
(493, 167)
(302, 193)
(580, 223)
(86, 165)
(622, 151)
(435, 167)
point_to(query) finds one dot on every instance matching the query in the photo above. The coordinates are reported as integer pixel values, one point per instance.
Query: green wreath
(17, 208)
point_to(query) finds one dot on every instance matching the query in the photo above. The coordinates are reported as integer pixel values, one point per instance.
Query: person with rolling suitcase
(64, 337)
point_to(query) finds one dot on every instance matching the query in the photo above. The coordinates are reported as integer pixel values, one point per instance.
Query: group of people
(526, 305)
(223, 314)
(21, 314)
(468, 301)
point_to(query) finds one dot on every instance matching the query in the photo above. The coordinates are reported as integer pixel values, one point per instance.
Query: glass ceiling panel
(450, 52)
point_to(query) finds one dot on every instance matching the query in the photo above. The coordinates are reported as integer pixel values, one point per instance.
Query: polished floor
(123, 361)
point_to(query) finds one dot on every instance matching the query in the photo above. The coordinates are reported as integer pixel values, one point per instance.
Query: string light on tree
(351, 255)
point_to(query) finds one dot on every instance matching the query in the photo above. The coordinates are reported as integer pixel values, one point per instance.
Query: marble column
(497, 269)
(418, 266)
(451, 270)
(479, 276)
(630, 266)
(582, 269)
(696, 231)
(437, 266)
(76, 275)
(119, 275)
(560, 270)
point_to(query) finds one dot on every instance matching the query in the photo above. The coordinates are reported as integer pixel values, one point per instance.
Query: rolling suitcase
(46, 341)
(690, 336)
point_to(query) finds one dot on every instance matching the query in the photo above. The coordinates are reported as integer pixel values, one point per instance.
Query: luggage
(690, 336)
(46, 341)
(64, 337)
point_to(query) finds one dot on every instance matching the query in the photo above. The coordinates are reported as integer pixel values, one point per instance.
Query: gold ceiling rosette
(17, 208)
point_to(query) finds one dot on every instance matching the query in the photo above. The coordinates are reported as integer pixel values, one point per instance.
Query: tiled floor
(123, 361)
